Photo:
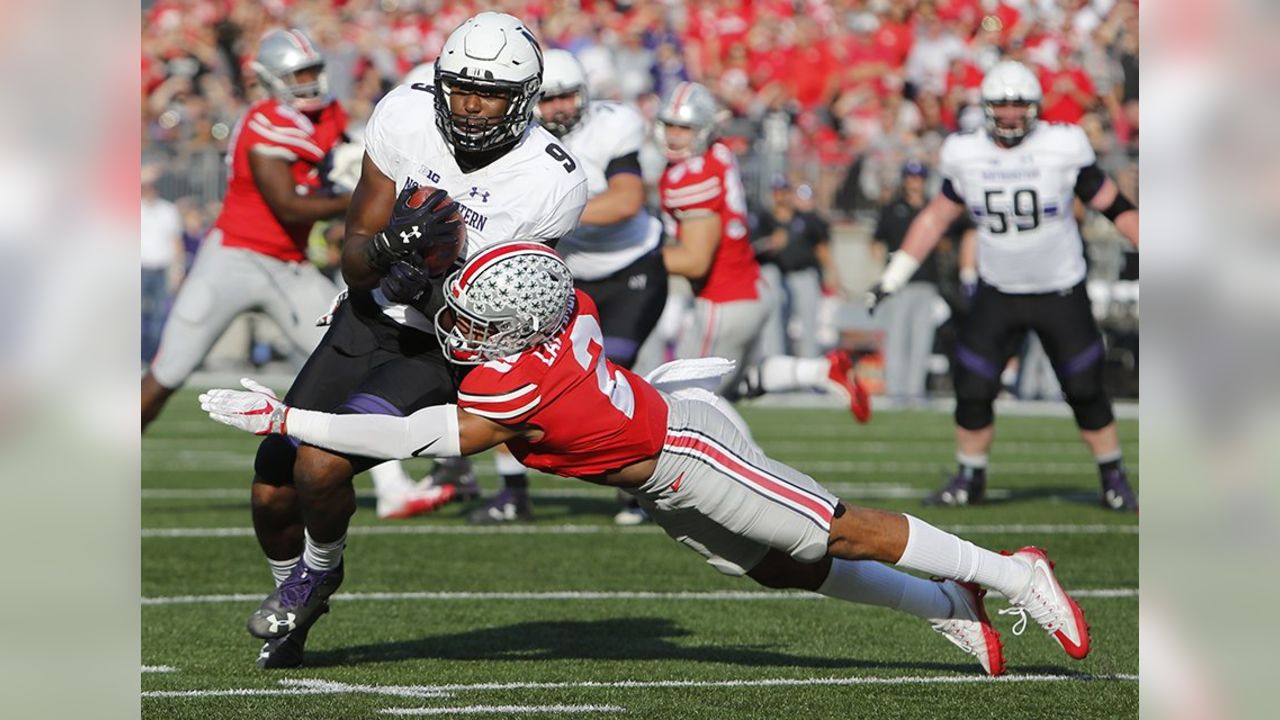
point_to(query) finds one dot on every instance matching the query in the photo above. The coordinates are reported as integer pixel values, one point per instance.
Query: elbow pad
(1120, 205)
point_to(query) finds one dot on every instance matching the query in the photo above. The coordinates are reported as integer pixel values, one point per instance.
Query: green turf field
(572, 617)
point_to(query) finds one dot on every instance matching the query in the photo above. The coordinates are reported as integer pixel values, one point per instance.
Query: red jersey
(246, 221)
(596, 416)
(710, 183)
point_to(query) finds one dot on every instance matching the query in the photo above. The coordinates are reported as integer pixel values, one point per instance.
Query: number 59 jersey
(1021, 200)
(596, 417)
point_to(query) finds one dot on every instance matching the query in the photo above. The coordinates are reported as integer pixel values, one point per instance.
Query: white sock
(783, 372)
(280, 569)
(1112, 456)
(390, 480)
(872, 583)
(933, 551)
(323, 556)
(507, 464)
(973, 461)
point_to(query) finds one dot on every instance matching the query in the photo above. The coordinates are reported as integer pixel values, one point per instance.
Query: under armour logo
(411, 234)
(482, 194)
(287, 623)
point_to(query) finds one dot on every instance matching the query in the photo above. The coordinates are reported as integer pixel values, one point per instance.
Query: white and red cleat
(969, 628)
(1049, 605)
(845, 381)
(417, 502)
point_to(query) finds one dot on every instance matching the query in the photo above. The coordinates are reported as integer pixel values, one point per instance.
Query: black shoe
(507, 506)
(296, 604)
(287, 652)
(1116, 493)
(959, 491)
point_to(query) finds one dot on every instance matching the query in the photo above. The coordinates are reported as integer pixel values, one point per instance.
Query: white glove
(348, 160)
(258, 411)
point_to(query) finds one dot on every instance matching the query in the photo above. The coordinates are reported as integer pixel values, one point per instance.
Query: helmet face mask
(690, 106)
(291, 68)
(1011, 98)
(564, 93)
(491, 55)
(508, 299)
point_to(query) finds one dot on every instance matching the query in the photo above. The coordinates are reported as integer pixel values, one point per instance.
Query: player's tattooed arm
(274, 180)
(370, 210)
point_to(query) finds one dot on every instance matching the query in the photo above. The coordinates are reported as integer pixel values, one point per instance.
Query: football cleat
(296, 604)
(959, 491)
(506, 507)
(969, 628)
(631, 515)
(844, 382)
(288, 651)
(1049, 605)
(416, 502)
(1116, 493)
(458, 472)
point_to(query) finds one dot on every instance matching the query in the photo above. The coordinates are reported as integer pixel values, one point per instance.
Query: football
(447, 233)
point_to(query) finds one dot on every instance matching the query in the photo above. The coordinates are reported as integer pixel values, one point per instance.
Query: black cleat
(287, 652)
(960, 490)
(1116, 493)
(296, 604)
(507, 506)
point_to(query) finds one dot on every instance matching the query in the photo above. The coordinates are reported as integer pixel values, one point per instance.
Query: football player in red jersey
(255, 255)
(704, 207)
(543, 385)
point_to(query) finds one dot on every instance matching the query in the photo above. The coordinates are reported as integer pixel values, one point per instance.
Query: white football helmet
(281, 55)
(562, 75)
(693, 106)
(424, 74)
(1010, 82)
(492, 53)
(508, 298)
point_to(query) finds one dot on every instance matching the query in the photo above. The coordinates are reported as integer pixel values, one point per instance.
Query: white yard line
(389, 529)
(506, 710)
(325, 687)
(159, 669)
(562, 595)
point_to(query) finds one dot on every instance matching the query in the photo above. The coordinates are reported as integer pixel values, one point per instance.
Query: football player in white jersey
(1017, 180)
(470, 134)
(614, 254)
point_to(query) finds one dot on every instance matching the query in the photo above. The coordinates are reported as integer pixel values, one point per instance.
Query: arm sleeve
(1088, 182)
(432, 431)
(629, 163)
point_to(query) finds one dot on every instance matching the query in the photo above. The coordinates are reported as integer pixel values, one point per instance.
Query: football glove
(416, 226)
(874, 297)
(405, 283)
(258, 411)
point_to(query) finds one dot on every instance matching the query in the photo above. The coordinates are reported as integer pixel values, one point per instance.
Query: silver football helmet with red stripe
(281, 56)
(692, 106)
(506, 299)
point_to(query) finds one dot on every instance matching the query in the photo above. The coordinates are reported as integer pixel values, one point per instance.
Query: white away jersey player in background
(1018, 179)
(543, 387)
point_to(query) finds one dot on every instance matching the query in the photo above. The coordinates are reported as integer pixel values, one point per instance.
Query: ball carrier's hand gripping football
(425, 231)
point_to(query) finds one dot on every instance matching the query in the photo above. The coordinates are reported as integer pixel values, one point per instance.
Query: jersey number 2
(588, 350)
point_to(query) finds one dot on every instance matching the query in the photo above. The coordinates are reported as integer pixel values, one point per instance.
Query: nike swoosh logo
(266, 408)
(418, 452)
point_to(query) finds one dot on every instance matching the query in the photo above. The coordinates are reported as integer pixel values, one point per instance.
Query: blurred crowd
(834, 97)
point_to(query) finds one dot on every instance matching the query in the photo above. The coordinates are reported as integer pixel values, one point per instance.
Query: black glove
(874, 297)
(419, 228)
(405, 283)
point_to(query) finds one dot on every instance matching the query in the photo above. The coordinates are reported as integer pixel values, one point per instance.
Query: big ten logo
(431, 175)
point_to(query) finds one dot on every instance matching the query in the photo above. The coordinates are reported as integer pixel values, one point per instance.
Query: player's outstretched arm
(274, 180)
(371, 206)
(439, 430)
(923, 235)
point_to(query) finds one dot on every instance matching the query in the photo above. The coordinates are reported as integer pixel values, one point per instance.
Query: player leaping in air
(540, 383)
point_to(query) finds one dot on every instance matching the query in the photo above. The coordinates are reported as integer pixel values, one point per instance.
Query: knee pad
(976, 390)
(1088, 400)
(274, 461)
